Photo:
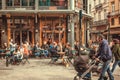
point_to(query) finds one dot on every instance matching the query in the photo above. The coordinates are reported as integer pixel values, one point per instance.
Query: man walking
(105, 55)
(116, 53)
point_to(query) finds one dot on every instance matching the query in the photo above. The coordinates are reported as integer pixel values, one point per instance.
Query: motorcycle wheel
(76, 78)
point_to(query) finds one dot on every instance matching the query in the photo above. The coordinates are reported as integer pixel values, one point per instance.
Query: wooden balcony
(100, 22)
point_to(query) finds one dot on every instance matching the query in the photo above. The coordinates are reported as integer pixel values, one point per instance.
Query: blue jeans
(106, 67)
(115, 64)
(45, 52)
(37, 54)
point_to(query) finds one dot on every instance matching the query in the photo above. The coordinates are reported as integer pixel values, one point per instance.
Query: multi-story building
(38, 20)
(82, 35)
(114, 18)
(99, 10)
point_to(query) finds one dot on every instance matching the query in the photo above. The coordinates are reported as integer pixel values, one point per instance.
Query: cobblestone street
(39, 69)
(83, 32)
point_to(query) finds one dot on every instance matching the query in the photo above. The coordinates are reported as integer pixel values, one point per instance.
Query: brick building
(114, 10)
(39, 20)
(99, 10)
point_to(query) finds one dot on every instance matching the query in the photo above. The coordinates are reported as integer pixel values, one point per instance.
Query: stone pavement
(40, 69)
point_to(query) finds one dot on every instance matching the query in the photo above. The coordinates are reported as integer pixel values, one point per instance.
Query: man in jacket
(105, 55)
(116, 53)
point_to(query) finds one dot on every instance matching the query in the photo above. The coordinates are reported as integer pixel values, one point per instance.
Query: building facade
(39, 20)
(114, 13)
(99, 10)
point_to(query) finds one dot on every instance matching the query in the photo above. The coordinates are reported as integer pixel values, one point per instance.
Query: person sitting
(12, 46)
(36, 50)
(45, 48)
(53, 52)
(17, 56)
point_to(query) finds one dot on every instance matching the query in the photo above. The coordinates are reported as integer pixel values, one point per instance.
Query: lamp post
(108, 16)
(80, 27)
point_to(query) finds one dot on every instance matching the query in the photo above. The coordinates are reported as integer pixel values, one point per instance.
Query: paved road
(39, 69)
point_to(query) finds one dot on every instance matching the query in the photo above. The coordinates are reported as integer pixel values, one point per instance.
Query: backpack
(116, 52)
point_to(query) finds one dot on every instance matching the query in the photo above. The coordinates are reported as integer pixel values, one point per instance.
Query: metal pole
(59, 34)
(108, 27)
(72, 31)
(108, 32)
(80, 25)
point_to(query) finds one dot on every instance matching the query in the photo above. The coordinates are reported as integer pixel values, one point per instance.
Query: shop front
(40, 28)
(53, 28)
(115, 33)
(21, 28)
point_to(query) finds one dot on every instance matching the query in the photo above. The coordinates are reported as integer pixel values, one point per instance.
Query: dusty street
(39, 69)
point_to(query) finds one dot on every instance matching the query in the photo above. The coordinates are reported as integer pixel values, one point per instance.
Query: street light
(108, 16)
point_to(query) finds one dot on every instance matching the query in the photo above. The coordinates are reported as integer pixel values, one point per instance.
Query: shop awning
(115, 30)
(67, 11)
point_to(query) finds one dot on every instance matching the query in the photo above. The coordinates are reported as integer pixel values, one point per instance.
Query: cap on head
(116, 41)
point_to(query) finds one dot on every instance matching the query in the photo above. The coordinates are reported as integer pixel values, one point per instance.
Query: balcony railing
(52, 7)
(117, 12)
(100, 22)
(42, 4)
(20, 7)
(99, 6)
(61, 4)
